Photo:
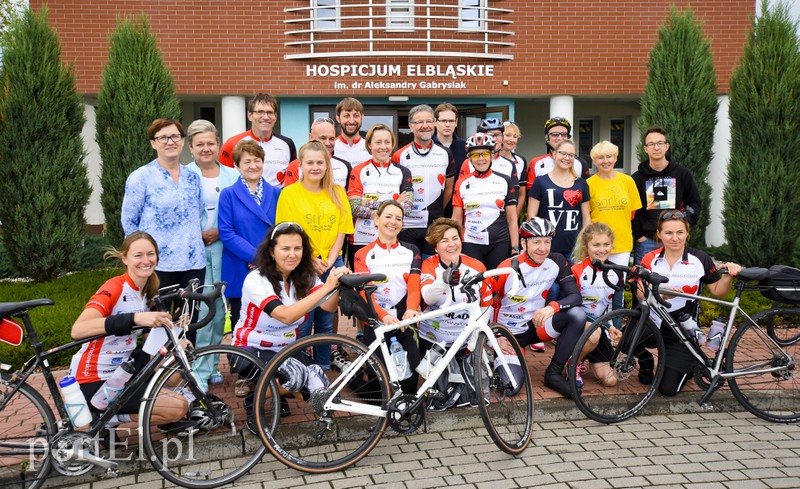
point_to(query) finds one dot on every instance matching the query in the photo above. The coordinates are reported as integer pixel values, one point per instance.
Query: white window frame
(332, 9)
(469, 17)
(400, 7)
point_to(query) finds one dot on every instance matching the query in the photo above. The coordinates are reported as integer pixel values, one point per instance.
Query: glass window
(586, 139)
(471, 17)
(325, 14)
(400, 15)
(618, 137)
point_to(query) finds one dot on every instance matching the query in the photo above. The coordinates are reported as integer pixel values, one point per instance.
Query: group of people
(281, 228)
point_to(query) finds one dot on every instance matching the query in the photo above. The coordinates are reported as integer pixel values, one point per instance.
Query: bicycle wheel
(506, 412)
(782, 324)
(609, 402)
(774, 396)
(210, 446)
(292, 420)
(28, 426)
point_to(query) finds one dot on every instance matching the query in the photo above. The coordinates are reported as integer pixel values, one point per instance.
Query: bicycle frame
(476, 324)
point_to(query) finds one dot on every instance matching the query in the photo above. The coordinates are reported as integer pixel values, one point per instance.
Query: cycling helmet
(292, 374)
(480, 140)
(536, 227)
(557, 121)
(490, 124)
(202, 417)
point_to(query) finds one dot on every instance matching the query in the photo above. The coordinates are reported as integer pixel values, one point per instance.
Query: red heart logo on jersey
(441, 179)
(280, 176)
(689, 289)
(500, 203)
(395, 196)
(573, 197)
(544, 294)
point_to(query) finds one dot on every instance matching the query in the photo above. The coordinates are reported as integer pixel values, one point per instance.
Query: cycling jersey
(354, 154)
(542, 165)
(430, 168)
(375, 182)
(522, 167)
(447, 328)
(256, 327)
(687, 274)
(400, 263)
(500, 165)
(341, 172)
(278, 152)
(516, 311)
(596, 293)
(484, 200)
(98, 359)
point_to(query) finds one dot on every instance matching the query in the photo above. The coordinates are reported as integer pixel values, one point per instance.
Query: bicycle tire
(773, 396)
(612, 404)
(782, 324)
(213, 452)
(304, 440)
(507, 415)
(26, 419)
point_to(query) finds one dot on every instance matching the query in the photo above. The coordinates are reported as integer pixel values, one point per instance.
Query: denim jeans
(641, 248)
(321, 321)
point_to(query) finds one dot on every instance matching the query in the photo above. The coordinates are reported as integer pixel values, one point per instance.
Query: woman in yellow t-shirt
(321, 208)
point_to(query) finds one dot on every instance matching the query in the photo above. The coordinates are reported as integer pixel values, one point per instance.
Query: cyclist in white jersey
(350, 146)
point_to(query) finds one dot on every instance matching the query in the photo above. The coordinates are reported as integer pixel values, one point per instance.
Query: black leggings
(490, 255)
(569, 324)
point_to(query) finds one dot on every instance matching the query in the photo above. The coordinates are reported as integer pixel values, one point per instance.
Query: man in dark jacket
(662, 184)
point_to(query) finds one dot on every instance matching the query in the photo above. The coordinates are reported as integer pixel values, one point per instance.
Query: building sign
(374, 76)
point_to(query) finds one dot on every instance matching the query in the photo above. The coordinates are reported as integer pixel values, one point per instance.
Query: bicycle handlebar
(209, 299)
(635, 272)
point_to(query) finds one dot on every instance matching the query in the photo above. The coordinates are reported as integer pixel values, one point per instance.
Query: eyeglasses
(262, 113)
(656, 144)
(566, 155)
(283, 226)
(172, 137)
(509, 123)
(320, 120)
(427, 123)
(446, 121)
(482, 154)
(558, 134)
(672, 215)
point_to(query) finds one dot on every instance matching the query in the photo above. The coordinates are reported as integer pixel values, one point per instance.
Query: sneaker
(339, 361)
(537, 347)
(216, 378)
(242, 388)
(180, 428)
(251, 425)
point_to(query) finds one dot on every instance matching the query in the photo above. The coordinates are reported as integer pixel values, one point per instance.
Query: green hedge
(53, 323)
(90, 257)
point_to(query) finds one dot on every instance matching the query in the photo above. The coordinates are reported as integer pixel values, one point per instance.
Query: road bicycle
(757, 358)
(208, 448)
(335, 426)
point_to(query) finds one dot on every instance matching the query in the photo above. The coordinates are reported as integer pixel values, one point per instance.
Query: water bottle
(715, 333)
(113, 386)
(75, 403)
(432, 357)
(399, 357)
(692, 329)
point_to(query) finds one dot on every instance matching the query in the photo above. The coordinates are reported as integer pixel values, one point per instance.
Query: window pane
(470, 17)
(399, 14)
(585, 138)
(325, 18)
(618, 138)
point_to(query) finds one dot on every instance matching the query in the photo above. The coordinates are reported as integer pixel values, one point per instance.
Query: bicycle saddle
(12, 308)
(357, 280)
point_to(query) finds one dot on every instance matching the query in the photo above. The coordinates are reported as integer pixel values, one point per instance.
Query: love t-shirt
(562, 207)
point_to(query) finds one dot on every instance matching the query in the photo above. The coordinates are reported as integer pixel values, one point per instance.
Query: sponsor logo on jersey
(417, 179)
(472, 205)
(371, 196)
(519, 299)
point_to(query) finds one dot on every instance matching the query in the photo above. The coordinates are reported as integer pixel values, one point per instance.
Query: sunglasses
(284, 226)
(673, 215)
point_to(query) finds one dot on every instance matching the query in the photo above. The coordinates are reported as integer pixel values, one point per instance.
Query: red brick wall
(227, 47)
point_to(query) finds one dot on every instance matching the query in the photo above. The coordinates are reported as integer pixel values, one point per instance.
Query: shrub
(681, 96)
(44, 186)
(135, 90)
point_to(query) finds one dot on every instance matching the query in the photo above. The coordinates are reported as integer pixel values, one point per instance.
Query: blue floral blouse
(170, 212)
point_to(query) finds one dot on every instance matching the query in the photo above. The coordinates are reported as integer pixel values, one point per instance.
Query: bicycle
(335, 426)
(208, 450)
(760, 369)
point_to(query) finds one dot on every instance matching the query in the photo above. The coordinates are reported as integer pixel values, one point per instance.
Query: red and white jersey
(355, 153)
(595, 292)
(278, 152)
(686, 275)
(256, 328)
(341, 172)
(484, 200)
(398, 262)
(430, 167)
(447, 328)
(98, 359)
(542, 165)
(375, 182)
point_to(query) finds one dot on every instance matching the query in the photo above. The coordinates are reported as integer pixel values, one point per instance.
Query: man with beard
(350, 145)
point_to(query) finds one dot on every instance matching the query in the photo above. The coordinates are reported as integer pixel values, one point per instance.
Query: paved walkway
(694, 450)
